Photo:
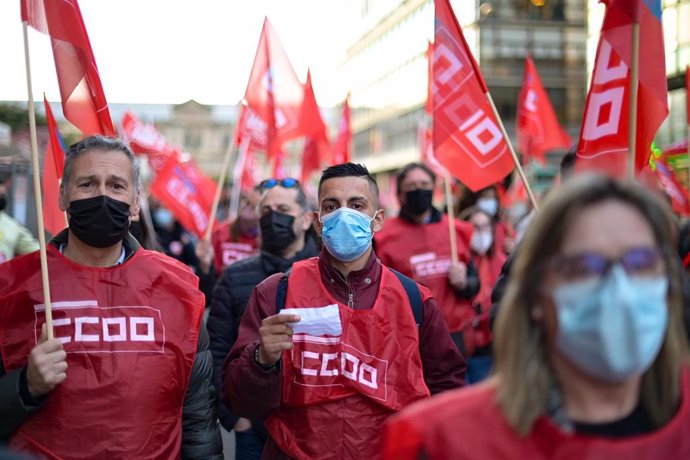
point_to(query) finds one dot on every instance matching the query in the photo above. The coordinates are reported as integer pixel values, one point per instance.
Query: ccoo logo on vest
(429, 265)
(83, 326)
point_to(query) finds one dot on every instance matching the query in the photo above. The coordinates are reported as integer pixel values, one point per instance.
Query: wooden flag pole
(37, 190)
(634, 81)
(451, 219)
(221, 183)
(518, 166)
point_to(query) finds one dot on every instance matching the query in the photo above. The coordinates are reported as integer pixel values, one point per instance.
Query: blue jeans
(478, 368)
(248, 445)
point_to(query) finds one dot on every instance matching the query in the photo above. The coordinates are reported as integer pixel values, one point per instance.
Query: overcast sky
(169, 51)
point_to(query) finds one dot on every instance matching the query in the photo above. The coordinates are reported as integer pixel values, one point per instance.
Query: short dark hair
(98, 142)
(350, 170)
(402, 174)
(568, 162)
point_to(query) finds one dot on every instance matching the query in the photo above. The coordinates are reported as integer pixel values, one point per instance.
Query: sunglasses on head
(637, 262)
(288, 182)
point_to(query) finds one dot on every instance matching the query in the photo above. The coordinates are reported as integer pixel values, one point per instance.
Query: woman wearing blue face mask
(590, 349)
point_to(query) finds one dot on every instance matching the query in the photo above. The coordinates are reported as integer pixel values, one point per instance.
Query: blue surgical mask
(163, 217)
(346, 233)
(612, 328)
(488, 205)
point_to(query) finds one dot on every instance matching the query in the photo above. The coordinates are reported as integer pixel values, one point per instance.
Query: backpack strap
(281, 293)
(413, 295)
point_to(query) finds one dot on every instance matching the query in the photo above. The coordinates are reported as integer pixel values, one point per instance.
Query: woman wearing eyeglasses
(590, 349)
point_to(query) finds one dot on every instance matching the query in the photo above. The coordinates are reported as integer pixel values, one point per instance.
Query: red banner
(53, 218)
(144, 139)
(538, 130)
(274, 93)
(186, 192)
(316, 145)
(341, 147)
(603, 141)
(467, 137)
(83, 99)
(680, 198)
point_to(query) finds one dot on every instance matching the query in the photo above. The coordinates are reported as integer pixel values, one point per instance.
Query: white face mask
(481, 242)
(488, 205)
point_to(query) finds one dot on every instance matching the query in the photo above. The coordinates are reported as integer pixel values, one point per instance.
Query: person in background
(489, 262)
(417, 244)
(591, 354)
(374, 341)
(237, 239)
(488, 201)
(286, 237)
(15, 240)
(175, 240)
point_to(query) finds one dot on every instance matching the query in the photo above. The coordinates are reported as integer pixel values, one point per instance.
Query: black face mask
(3, 201)
(418, 201)
(276, 232)
(100, 221)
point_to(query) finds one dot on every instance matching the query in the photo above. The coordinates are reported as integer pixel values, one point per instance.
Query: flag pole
(451, 219)
(518, 166)
(221, 183)
(237, 176)
(634, 81)
(37, 190)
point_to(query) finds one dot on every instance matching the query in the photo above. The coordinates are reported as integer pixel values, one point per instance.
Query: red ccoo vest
(338, 391)
(130, 333)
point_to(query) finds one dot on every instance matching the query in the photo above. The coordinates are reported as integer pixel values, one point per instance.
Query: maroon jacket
(250, 391)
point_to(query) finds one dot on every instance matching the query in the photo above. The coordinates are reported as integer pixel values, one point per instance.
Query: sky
(170, 51)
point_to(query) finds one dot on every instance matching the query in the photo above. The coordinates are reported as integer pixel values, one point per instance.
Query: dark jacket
(251, 391)
(229, 301)
(200, 432)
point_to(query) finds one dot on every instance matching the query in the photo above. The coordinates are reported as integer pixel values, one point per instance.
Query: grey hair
(98, 142)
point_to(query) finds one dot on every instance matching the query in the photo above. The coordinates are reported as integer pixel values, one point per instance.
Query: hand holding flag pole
(37, 190)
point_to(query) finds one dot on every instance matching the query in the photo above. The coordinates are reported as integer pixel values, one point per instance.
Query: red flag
(274, 92)
(429, 107)
(316, 145)
(144, 139)
(680, 198)
(341, 148)
(53, 163)
(83, 100)
(426, 141)
(186, 192)
(603, 141)
(467, 138)
(538, 130)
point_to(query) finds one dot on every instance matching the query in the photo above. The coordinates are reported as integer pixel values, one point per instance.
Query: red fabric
(227, 251)
(252, 392)
(53, 163)
(186, 192)
(538, 130)
(687, 93)
(668, 182)
(83, 99)
(686, 261)
(603, 141)
(316, 146)
(467, 137)
(273, 92)
(342, 145)
(489, 268)
(432, 427)
(145, 139)
(126, 380)
(679, 147)
(383, 368)
(422, 252)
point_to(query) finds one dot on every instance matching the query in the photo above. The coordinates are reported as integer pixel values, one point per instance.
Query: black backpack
(410, 286)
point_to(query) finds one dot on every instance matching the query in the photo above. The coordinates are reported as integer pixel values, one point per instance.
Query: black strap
(410, 286)
(413, 295)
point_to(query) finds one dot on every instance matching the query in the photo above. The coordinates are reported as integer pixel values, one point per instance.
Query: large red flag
(538, 130)
(467, 138)
(186, 192)
(316, 145)
(274, 93)
(341, 147)
(83, 100)
(53, 219)
(603, 141)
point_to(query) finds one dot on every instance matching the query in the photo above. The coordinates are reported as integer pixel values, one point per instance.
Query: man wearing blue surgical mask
(359, 343)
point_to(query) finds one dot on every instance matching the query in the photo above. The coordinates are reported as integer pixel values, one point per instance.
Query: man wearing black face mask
(129, 364)
(284, 223)
(15, 240)
(417, 244)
